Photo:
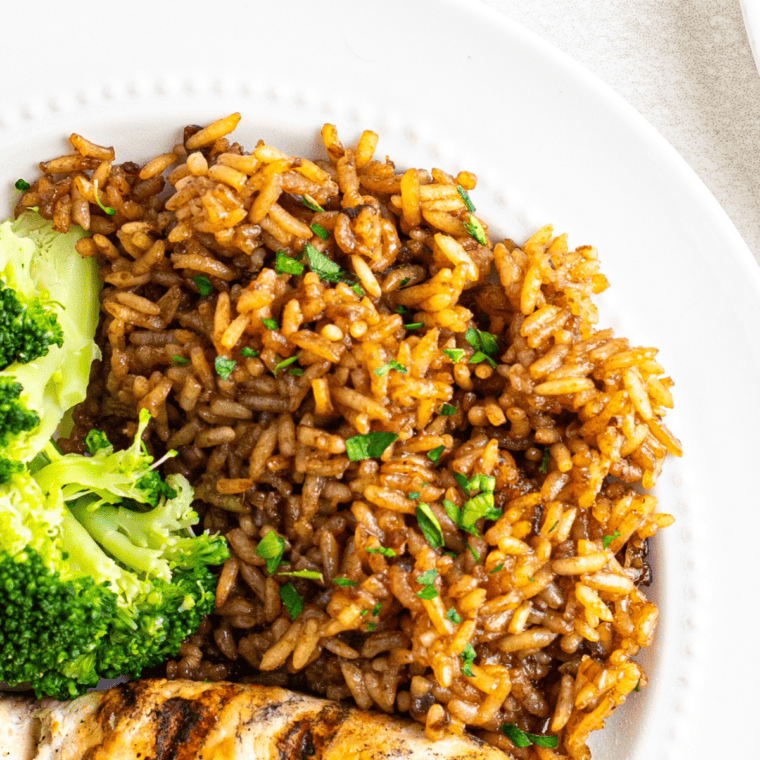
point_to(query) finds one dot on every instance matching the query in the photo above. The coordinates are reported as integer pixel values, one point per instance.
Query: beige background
(687, 67)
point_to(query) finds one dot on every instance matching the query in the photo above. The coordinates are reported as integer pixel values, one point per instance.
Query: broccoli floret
(90, 586)
(15, 418)
(27, 327)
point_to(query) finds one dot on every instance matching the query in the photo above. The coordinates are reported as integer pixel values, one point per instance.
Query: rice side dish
(430, 463)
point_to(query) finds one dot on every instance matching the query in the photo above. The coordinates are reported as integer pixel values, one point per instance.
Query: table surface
(687, 67)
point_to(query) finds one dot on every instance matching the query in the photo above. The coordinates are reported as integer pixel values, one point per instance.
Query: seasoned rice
(259, 373)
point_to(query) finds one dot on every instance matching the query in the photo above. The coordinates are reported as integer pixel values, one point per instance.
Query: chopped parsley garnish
(475, 229)
(224, 367)
(462, 482)
(381, 550)
(435, 454)
(285, 264)
(414, 325)
(371, 626)
(320, 231)
(476, 506)
(429, 525)
(345, 582)
(637, 687)
(328, 271)
(291, 599)
(400, 309)
(465, 198)
(405, 281)
(270, 324)
(414, 495)
(468, 656)
(524, 739)
(369, 446)
(295, 372)
(475, 555)
(310, 203)
(270, 549)
(556, 523)
(310, 574)
(497, 569)
(484, 343)
(447, 410)
(22, 184)
(455, 354)
(105, 209)
(544, 466)
(203, 285)
(607, 540)
(386, 368)
(285, 363)
(454, 616)
(364, 613)
(179, 360)
(427, 581)
(248, 352)
(376, 609)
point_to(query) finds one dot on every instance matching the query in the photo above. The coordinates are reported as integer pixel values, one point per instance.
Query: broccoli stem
(102, 525)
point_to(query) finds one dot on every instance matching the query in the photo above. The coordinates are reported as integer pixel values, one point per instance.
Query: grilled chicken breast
(180, 720)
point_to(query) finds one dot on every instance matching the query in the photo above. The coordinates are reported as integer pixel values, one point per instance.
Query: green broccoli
(93, 581)
(48, 316)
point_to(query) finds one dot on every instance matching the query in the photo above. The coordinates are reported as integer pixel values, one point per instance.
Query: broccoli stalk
(94, 582)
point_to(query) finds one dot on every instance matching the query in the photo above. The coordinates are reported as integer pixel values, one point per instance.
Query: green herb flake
(414, 325)
(400, 309)
(531, 579)
(320, 231)
(544, 466)
(497, 569)
(524, 738)
(475, 555)
(328, 270)
(637, 687)
(607, 540)
(427, 578)
(291, 599)
(556, 523)
(203, 285)
(224, 367)
(471, 336)
(453, 511)
(462, 482)
(465, 198)
(285, 264)
(428, 592)
(311, 204)
(345, 582)
(405, 281)
(295, 372)
(179, 360)
(455, 354)
(381, 550)
(454, 616)
(478, 506)
(376, 609)
(386, 368)
(270, 324)
(414, 495)
(447, 410)
(248, 352)
(480, 356)
(22, 184)
(285, 363)
(468, 656)
(312, 575)
(515, 735)
(369, 446)
(364, 613)
(371, 626)
(270, 549)
(435, 454)
(475, 229)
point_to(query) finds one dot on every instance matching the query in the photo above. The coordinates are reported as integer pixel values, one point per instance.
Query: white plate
(454, 85)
